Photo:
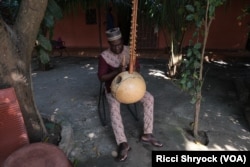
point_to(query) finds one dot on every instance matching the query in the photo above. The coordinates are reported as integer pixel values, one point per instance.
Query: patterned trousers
(116, 119)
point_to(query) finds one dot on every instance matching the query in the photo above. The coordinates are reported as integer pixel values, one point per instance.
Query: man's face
(116, 46)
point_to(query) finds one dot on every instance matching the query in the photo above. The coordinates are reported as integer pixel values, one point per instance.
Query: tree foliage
(43, 44)
(202, 13)
(170, 17)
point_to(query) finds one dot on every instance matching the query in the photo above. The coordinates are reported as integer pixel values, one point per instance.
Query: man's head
(114, 37)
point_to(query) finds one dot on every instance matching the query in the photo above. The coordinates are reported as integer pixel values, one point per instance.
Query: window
(91, 16)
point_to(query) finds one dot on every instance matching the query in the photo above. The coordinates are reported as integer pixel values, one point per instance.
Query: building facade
(87, 29)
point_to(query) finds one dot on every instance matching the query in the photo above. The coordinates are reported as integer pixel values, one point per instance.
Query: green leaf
(199, 24)
(195, 34)
(188, 72)
(49, 20)
(189, 53)
(196, 64)
(197, 4)
(195, 76)
(197, 53)
(193, 101)
(197, 45)
(211, 11)
(54, 9)
(190, 8)
(44, 57)
(189, 84)
(183, 81)
(190, 17)
(44, 42)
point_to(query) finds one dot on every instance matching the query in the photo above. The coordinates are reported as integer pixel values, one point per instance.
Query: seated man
(111, 63)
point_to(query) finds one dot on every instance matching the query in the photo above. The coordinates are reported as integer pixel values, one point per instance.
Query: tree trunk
(175, 59)
(16, 45)
(173, 64)
(196, 116)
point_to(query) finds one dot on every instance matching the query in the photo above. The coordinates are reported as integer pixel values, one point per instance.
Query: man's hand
(123, 64)
(124, 68)
(121, 68)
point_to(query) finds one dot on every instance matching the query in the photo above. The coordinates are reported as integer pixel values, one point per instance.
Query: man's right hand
(124, 68)
(121, 68)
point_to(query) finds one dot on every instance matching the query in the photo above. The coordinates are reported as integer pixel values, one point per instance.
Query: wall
(226, 31)
(77, 34)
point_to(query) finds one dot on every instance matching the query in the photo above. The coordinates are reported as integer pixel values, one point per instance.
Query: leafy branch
(202, 13)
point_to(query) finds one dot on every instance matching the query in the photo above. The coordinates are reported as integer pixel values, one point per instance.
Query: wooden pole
(133, 36)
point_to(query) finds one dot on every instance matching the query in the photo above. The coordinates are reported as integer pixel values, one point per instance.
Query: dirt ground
(69, 92)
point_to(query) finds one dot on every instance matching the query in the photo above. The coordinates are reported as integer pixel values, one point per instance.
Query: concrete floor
(68, 93)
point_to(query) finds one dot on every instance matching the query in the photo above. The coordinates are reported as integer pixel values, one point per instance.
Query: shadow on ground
(68, 93)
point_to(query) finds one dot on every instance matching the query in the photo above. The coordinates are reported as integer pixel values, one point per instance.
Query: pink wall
(226, 31)
(77, 34)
